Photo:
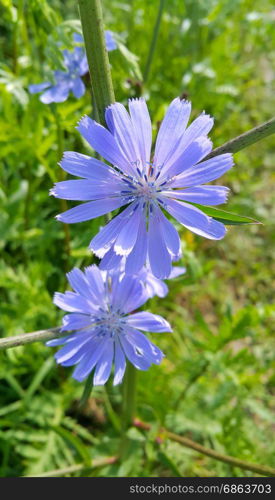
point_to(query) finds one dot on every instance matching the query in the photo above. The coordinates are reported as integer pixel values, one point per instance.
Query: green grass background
(217, 380)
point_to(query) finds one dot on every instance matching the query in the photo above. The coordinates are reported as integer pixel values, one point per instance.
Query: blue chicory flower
(65, 81)
(104, 330)
(76, 65)
(173, 181)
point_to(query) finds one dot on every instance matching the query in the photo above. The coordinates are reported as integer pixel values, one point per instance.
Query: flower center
(147, 190)
(110, 323)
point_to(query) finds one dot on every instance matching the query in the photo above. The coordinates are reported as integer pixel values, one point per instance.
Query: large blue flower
(76, 65)
(171, 182)
(104, 330)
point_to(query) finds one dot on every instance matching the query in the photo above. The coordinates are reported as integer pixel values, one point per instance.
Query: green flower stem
(95, 464)
(97, 55)
(153, 42)
(29, 338)
(103, 95)
(88, 387)
(244, 140)
(264, 470)
(128, 405)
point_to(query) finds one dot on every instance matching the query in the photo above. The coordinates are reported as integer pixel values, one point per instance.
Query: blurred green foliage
(217, 380)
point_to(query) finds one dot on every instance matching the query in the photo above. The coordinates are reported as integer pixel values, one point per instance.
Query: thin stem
(86, 392)
(101, 462)
(244, 140)
(264, 470)
(97, 55)
(153, 42)
(128, 405)
(29, 338)
(129, 394)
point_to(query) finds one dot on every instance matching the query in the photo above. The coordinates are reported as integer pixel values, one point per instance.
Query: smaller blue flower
(76, 65)
(65, 81)
(104, 330)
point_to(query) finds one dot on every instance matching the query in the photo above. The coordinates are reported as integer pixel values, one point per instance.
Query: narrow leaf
(226, 218)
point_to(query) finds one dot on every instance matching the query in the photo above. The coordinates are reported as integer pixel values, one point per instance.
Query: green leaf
(226, 218)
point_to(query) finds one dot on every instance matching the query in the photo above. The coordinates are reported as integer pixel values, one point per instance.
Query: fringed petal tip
(84, 120)
(137, 99)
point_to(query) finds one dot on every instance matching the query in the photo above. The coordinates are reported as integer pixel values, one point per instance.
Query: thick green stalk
(97, 55)
(153, 42)
(244, 140)
(103, 95)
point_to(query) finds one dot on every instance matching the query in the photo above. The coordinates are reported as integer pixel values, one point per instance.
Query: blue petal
(110, 260)
(149, 351)
(57, 93)
(194, 153)
(177, 271)
(204, 195)
(159, 257)
(89, 168)
(110, 41)
(78, 38)
(128, 293)
(120, 125)
(148, 322)
(127, 237)
(206, 171)
(69, 350)
(155, 286)
(75, 321)
(96, 283)
(195, 220)
(102, 141)
(84, 190)
(120, 363)
(139, 361)
(86, 365)
(56, 342)
(72, 302)
(78, 87)
(142, 127)
(104, 364)
(80, 284)
(103, 241)
(136, 259)
(199, 127)
(171, 131)
(170, 235)
(34, 89)
(90, 210)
